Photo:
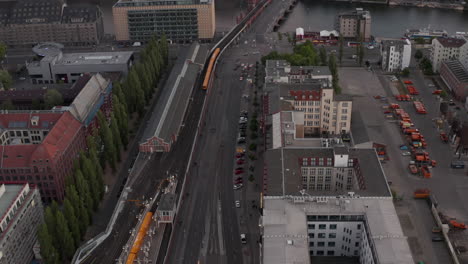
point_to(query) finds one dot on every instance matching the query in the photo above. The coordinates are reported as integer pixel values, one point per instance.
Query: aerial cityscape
(230, 132)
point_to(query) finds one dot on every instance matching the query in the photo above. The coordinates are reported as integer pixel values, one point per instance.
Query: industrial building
(180, 21)
(40, 147)
(69, 67)
(329, 202)
(26, 22)
(455, 76)
(355, 24)
(396, 54)
(168, 116)
(21, 214)
(307, 90)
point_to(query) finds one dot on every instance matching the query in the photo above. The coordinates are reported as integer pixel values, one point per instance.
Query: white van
(243, 239)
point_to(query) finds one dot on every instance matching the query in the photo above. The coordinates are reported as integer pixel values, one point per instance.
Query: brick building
(355, 24)
(40, 147)
(21, 214)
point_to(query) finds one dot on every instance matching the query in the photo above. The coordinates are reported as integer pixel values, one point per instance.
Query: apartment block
(396, 55)
(26, 22)
(355, 24)
(21, 214)
(180, 21)
(329, 202)
(444, 49)
(455, 76)
(307, 90)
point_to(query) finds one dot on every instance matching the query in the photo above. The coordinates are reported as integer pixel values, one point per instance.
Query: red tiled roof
(61, 135)
(56, 141)
(23, 120)
(451, 42)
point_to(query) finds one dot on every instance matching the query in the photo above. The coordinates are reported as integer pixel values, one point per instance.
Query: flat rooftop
(284, 171)
(285, 220)
(116, 57)
(458, 70)
(8, 197)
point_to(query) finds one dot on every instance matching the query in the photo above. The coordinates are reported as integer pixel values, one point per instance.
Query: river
(387, 21)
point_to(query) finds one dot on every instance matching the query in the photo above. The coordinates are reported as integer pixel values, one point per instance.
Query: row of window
(321, 226)
(336, 218)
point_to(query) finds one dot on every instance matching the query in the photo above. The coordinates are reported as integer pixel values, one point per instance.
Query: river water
(313, 15)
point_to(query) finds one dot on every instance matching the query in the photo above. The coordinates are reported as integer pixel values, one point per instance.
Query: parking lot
(369, 124)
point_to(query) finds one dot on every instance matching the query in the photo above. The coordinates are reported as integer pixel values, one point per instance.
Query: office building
(69, 67)
(307, 90)
(355, 24)
(396, 54)
(329, 202)
(180, 21)
(455, 76)
(26, 22)
(444, 49)
(21, 214)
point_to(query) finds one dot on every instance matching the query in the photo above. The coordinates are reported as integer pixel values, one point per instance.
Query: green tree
(116, 135)
(108, 141)
(340, 48)
(323, 56)
(83, 191)
(49, 218)
(67, 244)
(48, 251)
(89, 172)
(5, 79)
(7, 105)
(138, 99)
(420, 41)
(117, 90)
(36, 104)
(52, 98)
(80, 212)
(72, 221)
(3, 50)
(129, 95)
(418, 54)
(405, 72)
(145, 80)
(122, 121)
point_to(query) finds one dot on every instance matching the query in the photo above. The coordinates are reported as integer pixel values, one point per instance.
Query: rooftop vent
(290, 242)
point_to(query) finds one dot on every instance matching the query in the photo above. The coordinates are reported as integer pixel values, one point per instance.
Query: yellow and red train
(209, 70)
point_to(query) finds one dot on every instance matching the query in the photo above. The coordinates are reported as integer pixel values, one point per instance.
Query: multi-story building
(307, 90)
(26, 22)
(355, 24)
(69, 67)
(329, 202)
(40, 147)
(21, 214)
(455, 76)
(396, 54)
(444, 49)
(180, 21)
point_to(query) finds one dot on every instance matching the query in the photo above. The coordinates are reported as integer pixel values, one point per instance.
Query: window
(321, 235)
(322, 217)
(333, 226)
(311, 252)
(359, 226)
(311, 235)
(322, 226)
(331, 244)
(311, 226)
(320, 244)
(356, 244)
(332, 235)
(320, 252)
(356, 252)
(330, 253)
(311, 244)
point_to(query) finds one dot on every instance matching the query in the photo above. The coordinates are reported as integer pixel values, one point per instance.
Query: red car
(238, 172)
(239, 178)
(240, 161)
(238, 181)
(239, 155)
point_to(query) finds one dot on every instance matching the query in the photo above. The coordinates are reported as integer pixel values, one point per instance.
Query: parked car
(451, 102)
(437, 238)
(406, 153)
(243, 239)
(240, 155)
(238, 204)
(241, 141)
(239, 181)
(240, 162)
(457, 164)
(238, 172)
(238, 186)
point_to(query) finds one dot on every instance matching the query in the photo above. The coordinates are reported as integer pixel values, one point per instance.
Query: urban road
(207, 229)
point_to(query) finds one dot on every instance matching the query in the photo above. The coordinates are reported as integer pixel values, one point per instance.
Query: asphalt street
(207, 227)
